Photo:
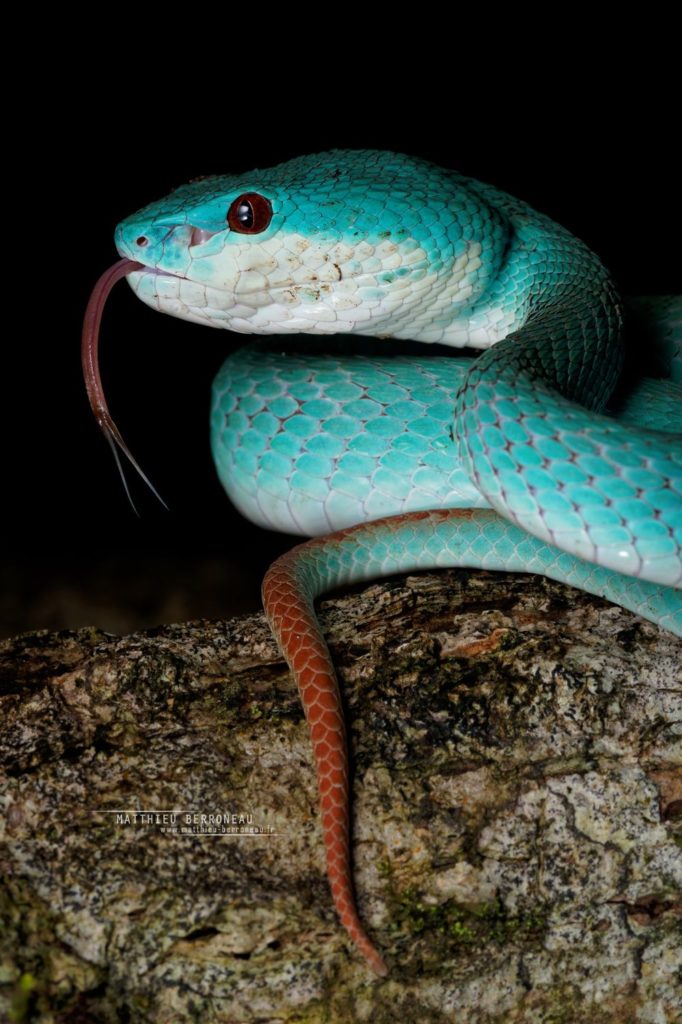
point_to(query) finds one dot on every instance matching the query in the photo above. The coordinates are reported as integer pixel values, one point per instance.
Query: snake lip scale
(157, 272)
(502, 461)
(280, 286)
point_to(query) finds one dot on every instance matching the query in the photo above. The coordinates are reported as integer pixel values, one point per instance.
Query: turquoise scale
(357, 449)
(368, 243)
(483, 541)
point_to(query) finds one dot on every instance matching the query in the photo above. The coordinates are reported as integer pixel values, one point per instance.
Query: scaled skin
(380, 244)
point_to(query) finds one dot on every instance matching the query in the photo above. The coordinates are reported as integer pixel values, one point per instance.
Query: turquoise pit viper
(502, 460)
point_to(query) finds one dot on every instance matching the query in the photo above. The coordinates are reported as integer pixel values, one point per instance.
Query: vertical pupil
(245, 214)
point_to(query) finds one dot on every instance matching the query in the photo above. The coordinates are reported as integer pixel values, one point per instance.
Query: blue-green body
(378, 244)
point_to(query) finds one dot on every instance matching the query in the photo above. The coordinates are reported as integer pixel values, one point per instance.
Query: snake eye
(249, 214)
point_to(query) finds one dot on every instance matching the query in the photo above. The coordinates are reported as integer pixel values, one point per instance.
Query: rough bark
(517, 828)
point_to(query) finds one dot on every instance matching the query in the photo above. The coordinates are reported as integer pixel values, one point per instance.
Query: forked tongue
(93, 381)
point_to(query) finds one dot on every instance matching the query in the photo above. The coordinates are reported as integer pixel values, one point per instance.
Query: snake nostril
(142, 241)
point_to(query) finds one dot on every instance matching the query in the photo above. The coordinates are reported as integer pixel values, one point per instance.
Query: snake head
(364, 242)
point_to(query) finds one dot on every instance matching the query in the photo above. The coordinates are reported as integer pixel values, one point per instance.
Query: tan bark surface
(517, 816)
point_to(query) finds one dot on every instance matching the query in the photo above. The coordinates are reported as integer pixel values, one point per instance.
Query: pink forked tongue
(93, 381)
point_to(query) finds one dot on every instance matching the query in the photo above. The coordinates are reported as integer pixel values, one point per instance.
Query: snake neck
(563, 314)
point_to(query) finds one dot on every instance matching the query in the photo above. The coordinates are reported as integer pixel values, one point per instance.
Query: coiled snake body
(504, 461)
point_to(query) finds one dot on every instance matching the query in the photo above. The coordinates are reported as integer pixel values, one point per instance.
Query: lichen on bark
(516, 816)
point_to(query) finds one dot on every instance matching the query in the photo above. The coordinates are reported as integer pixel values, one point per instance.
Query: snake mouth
(157, 272)
(145, 270)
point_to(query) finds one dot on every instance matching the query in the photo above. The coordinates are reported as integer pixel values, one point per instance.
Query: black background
(596, 153)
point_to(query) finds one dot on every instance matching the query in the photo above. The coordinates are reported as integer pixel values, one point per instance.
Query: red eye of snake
(249, 214)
